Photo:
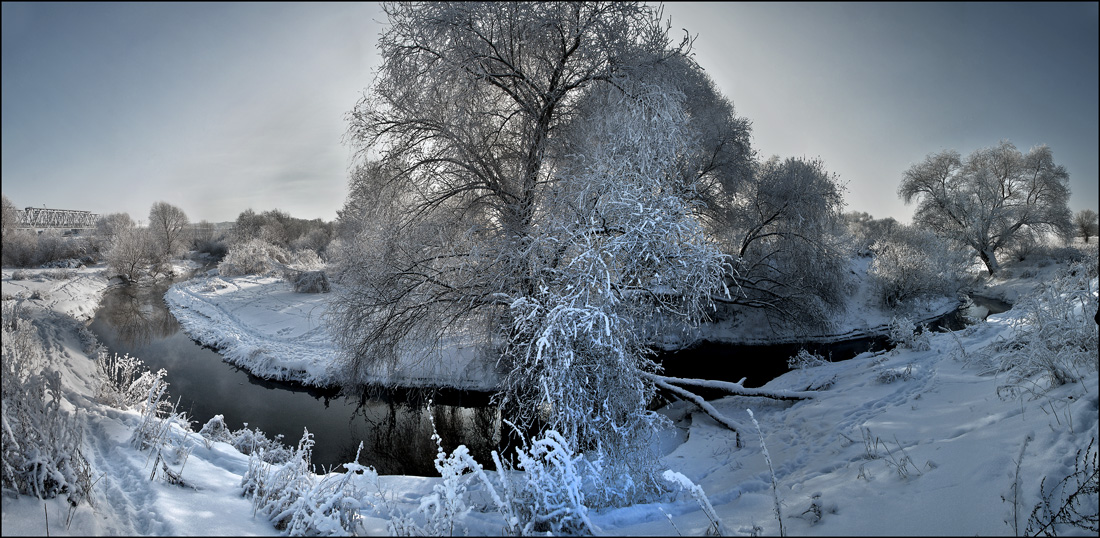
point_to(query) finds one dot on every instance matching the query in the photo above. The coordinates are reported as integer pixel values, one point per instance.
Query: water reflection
(136, 322)
(394, 426)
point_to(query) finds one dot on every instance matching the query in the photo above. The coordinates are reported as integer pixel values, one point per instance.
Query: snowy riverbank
(260, 324)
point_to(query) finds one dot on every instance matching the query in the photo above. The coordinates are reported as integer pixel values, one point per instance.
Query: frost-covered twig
(775, 483)
(717, 527)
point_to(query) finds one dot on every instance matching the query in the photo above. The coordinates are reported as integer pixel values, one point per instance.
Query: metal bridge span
(63, 219)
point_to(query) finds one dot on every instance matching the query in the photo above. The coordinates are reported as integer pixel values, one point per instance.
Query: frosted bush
(42, 441)
(296, 501)
(276, 490)
(124, 381)
(254, 441)
(805, 359)
(1055, 338)
(254, 257)
(904, 333)
(311, 282)
(216, 430)
(557, 487)
(911, 263)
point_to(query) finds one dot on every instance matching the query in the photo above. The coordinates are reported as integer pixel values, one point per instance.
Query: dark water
(759, 364)
(394, 426)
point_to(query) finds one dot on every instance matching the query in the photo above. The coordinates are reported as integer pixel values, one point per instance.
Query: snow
(259, 323)
(77, 296)
(930, 450)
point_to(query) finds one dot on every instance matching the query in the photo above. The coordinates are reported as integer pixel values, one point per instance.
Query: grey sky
(220, 107)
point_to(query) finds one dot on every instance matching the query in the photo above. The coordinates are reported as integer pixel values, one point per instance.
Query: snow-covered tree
(132, 253)
(110, 226)
(985, 201)
(170, 229)
(537, 200)
(9, 218)
(864, 230)
(466, 126)
(910, 262)
(1085, 221)
(785, 229)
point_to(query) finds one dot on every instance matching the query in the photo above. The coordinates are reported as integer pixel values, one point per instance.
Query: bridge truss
(67, 219)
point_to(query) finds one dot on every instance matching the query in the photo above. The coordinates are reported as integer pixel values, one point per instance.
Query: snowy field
(914, 441)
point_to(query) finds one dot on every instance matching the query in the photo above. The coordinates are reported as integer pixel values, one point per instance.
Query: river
(394, 426)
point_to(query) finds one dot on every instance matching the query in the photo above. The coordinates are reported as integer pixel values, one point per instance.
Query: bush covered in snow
(310, 282)
(259, 257)
(253, 257)
(296, 501)
(25, 248)
(905, 333)
(124, 381)
(41, 440)
(911, 263)
(1055, 338)
(805, 359)
(247, 441)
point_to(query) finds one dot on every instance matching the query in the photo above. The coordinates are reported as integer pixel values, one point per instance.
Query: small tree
(109, 227)
(9, 218)
(169, 227)
(134, 250)
(1085, 221)
(911, 262)
(986, 200)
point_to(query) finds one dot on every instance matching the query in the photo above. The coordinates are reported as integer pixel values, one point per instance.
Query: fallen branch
(705, 406)
(736, 389)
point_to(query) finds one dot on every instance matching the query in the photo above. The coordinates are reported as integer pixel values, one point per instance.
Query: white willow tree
(529, 182)
(986, 201)
(464, 116)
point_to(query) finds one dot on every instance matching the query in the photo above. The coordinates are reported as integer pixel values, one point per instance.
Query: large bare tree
(986, 200)
(459, 136)
(534, 178)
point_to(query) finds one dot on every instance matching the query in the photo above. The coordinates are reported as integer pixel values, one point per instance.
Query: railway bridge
(41, 218)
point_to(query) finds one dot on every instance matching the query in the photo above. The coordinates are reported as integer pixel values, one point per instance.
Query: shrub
(20, 249)
(912, 263)
(124, 381)
(904, 333)
(215, 248)
(1055, 336)
(41, 440)
(311, 282)
(805, 359)
(254, 257)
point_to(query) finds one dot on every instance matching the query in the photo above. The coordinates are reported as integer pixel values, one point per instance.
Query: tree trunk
(990, 260)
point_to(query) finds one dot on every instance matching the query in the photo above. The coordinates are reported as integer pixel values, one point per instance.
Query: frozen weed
(1072, 501)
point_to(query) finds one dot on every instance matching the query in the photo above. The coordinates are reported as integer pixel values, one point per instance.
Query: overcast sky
(221, 107)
